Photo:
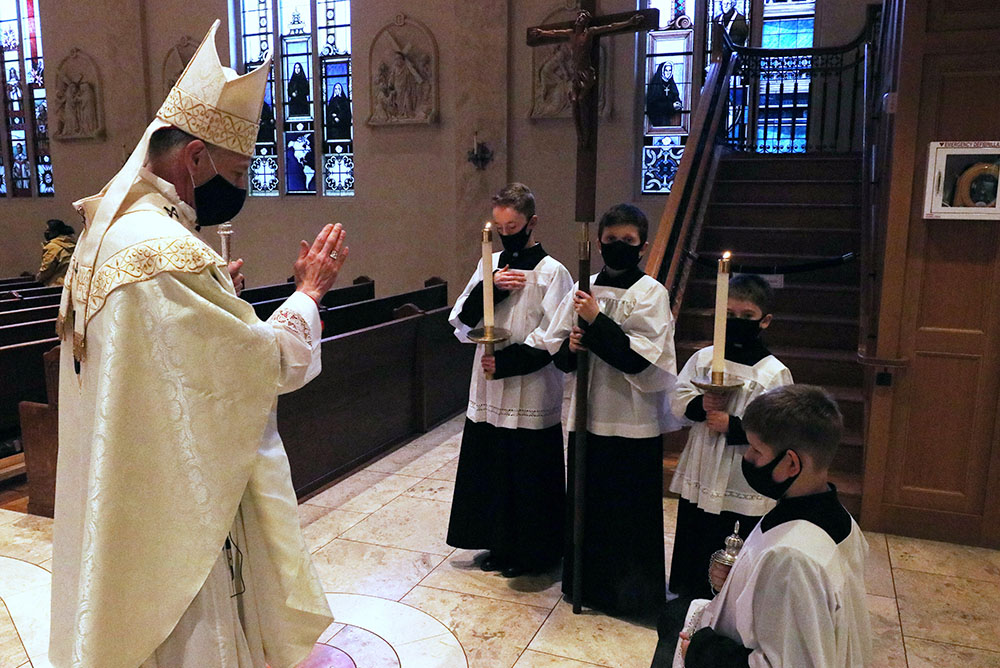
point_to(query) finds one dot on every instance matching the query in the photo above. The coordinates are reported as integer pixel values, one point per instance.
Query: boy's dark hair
(517, 196)
(752, 288)
(804, 418)
(624, 214)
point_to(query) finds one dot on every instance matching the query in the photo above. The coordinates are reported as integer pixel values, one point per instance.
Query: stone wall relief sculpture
(176, 60)
(78, 98)
(551, 66)
(404, 68)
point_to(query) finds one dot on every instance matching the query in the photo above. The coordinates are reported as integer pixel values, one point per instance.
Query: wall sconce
(481, 154)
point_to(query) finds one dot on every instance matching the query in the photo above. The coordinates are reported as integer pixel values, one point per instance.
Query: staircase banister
(700, 144)
(865, 36)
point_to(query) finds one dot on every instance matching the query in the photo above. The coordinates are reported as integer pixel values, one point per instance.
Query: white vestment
(167, 431)
(796, 599)
(620, 404)
(709, 472)
(532, 401)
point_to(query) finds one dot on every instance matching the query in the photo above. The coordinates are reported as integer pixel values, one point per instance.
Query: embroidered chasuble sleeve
(162, 434)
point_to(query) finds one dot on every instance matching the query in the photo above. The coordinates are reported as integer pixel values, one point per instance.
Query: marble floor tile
(28, 538)
(329, 526)
(591, 636)
(365, 648)
(447, 472)
(434, 490)
(30, 613)
(360, 568)
(878, 571)
(531, 659)
(887, 637)
(419, 639)
(331, 631)
(364, 492)
(669, 516)
(18, 576)
(12, 652)
(948, 609)
(929, 654)
(963, 561)
(8, 516)
(458, 573)
(308, 513)
(493, 633)
(411, 461)
(406, 522)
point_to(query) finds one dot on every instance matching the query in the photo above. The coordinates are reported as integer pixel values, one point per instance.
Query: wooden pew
(348, 294)
(347, 318)
(443, 367)
(28, 292)
(40, 437)
(23, 374)
(29, 314)
(24, 278)
(28, 302)
(27, 331)
(263, 293)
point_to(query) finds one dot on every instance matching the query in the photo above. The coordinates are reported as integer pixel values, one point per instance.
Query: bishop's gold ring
(333, 255)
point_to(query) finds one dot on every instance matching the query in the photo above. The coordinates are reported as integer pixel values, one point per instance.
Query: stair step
(812, 240)
(835, 300)
(846, 273)
(787, 191)
(815, 366)
(790, 166)
(757, 214)
(819, 331)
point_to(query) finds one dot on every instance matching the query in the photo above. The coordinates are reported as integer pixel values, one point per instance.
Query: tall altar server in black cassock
(629, 331)
(510, 486)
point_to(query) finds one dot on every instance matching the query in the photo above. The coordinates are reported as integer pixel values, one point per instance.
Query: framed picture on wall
(962, 179)
(667, 104)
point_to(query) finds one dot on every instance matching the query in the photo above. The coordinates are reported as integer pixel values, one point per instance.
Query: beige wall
(840, 21)
(419, 203)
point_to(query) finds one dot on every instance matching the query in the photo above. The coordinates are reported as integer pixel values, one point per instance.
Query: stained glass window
(25, 159)
(311, 108)
(667, 72)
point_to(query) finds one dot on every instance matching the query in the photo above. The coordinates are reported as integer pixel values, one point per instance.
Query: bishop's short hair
(517, 196)
(804, 418)
(625, 214)
(752, 288)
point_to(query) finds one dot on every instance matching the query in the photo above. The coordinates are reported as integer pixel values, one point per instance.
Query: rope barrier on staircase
(814, 265)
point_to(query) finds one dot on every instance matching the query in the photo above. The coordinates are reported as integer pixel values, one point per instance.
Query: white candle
(721, 304)
(488, 276)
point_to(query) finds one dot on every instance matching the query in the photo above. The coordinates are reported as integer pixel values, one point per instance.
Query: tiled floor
(404, 599)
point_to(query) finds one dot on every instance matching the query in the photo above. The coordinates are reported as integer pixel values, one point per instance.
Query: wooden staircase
(781, 210)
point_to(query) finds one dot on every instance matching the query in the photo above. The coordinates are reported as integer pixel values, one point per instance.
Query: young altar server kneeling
(510, 489)
(629, 331)
(796, 594)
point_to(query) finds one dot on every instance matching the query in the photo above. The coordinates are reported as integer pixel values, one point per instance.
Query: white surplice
(709, 472)
(796, 599)
(621, 404)
(532, 401)
(168, 430)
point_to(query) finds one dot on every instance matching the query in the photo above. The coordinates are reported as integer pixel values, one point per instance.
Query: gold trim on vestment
(142, 262)
(187, 112)
(293, 322)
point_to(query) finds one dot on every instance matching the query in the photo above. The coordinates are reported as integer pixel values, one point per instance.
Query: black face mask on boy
(742, 331)
(619, 255)
(515, 243)
(760, 480)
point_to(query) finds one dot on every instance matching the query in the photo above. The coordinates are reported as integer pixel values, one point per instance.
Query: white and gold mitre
(214, 103)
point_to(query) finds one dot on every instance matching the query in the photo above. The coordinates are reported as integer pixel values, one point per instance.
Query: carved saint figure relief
(553, 66)
(176, 60)
(404, 66)
(79, 113)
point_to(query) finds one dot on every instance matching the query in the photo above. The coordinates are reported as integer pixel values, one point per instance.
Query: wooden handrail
(692, 181)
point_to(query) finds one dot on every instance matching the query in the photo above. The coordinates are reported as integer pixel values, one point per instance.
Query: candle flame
(488, 225)
(726, 255)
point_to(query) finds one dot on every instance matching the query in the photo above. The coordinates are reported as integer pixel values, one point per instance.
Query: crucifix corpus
(583, 35)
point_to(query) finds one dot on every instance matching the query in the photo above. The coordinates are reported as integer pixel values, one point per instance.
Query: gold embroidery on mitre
(147, 260)
(209, 123)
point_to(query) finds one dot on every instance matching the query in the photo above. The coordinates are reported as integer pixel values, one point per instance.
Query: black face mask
(741, 331)
(217, 200)
(619, 255)
(515, 243)
(760, 480)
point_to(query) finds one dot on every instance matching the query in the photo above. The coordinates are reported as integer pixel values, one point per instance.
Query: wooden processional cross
(583, 35)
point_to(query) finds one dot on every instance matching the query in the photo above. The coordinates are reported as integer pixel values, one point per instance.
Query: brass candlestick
(489, 337)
